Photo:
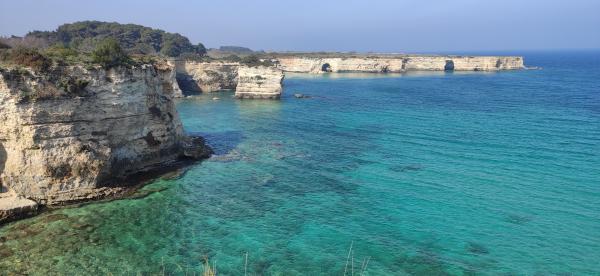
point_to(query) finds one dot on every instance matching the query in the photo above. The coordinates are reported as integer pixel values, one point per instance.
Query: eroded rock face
(207, 76)
(398, 64)
(249, 82)
(259, 83)
(13, 207)
(62, 142)
(167, 72)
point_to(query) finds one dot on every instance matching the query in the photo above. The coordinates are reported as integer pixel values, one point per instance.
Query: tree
(200, 49)
(170, 49)
(82, 36)
(109, 54)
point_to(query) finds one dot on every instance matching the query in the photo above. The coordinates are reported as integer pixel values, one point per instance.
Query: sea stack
(259, 82)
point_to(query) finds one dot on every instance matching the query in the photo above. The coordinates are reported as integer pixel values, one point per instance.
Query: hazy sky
(374, 25)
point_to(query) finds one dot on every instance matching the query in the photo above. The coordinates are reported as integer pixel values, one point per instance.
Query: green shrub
(194, 57)
(72, 85)
(232, 58)
(144, 59)
(109, 54)
(4, 55)
(255, 60)
(30, 57)
(63, 54)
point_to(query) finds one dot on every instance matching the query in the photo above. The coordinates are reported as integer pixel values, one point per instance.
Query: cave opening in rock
(326, 67)
(499, 63)
(449, 65)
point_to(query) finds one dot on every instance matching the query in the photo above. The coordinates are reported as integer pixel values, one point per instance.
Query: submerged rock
(301, 96)
(477, 248)
(53, 217)
(517, 219)
(195, 147)
(405, 168)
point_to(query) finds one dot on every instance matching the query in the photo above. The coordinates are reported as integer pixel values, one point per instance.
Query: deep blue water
(421, 173)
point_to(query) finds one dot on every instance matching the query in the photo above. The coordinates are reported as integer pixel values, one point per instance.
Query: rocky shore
(76, 134)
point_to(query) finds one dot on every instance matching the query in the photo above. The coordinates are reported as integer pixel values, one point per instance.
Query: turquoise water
(423, 174)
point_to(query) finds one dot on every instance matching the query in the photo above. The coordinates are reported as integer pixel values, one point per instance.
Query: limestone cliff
(206, 76)
(248, 82)
(168, 73)
(78, 133)
(396, 63)
(259, 83)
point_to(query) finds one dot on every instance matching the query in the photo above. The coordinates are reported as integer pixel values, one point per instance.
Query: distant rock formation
(395, 63)
(266, 81)
(249, 82)
(259, 83)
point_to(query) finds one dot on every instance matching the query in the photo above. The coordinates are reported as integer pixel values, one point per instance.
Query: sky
(336, 25)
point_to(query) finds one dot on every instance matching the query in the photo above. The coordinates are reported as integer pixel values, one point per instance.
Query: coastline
(127, 188)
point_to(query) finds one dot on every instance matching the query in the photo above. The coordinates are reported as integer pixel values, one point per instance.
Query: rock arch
(326, 67)
(499, 63)
(449, 65)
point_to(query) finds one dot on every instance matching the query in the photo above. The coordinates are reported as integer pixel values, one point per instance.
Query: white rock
(67, 147)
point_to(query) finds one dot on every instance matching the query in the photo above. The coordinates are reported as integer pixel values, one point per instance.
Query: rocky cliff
(206, 76)
(81, 133)
(248, 82)
(396, 63)
(167, 72)
(259, 83)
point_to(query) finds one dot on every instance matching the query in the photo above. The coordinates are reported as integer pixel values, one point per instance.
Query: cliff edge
(304, 63)
(249, 82)
(79, 133)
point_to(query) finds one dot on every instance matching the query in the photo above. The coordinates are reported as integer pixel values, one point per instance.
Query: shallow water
(425, 174)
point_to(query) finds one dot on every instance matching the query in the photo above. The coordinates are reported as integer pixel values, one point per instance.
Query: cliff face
(207, 76)
(259, 83)
(322, 65)
(248, 82)
(73, 135)
(398, 64)
(167, 72)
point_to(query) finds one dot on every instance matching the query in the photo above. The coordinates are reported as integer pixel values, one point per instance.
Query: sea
(422, 173)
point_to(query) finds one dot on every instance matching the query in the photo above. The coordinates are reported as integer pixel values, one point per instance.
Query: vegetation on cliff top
(135, 39)
(110, 54)
(110, 45)
(256, 60)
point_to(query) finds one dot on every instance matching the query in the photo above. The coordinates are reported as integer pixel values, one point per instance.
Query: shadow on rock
(222, 142)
